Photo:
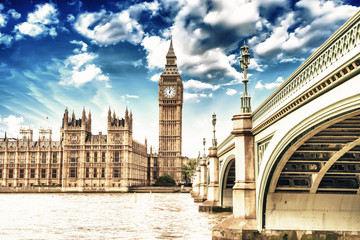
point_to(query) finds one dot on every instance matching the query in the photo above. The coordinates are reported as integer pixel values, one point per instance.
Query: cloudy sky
(96, 54)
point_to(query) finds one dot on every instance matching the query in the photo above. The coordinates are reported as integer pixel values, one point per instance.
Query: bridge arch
(285, 143)
(227, 175)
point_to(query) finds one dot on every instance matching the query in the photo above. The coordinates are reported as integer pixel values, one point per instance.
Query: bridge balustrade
(336, 48)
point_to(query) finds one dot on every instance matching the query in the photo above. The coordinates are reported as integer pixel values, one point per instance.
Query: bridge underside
(328, 162)
(318, 187)
(227, 185)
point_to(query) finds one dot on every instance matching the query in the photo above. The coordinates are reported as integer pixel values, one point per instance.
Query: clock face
(170, 92)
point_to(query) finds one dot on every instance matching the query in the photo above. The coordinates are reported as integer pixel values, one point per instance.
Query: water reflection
(104, 216)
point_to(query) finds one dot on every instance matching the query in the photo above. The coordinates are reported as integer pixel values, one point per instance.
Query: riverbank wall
(152, 189)
(45, 189)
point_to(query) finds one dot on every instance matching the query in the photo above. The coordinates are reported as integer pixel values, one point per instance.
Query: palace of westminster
(83, 161)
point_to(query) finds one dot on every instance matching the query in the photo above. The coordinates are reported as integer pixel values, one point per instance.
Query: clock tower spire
(171, 65)
(170, 118)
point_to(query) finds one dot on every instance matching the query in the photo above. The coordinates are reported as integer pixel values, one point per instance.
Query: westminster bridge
(294, 162)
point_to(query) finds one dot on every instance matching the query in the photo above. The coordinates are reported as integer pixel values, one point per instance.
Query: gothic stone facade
(80, 160)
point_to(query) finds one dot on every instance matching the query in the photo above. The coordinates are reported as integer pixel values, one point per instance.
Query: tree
(166, 181)
(188, 169)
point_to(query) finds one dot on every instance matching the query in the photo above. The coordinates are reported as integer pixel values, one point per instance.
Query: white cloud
(199, 86)
(137, 9)
(45, 14)
(195, 97)
(70, 18)
(13, 125)
(195, 64)
(292, 35)
(129, 96)
(327, 10)
(279, 80)
(284, 60)
(14, 14)
(52, 32)
(106, 28)
(3, 20)
(228, 12)
(80, 69)
(231, 92)
(155, 77)
(232, 59)
(40, 22)
(278, 37)
(190, 96)
(256, 66)
(30, 29)
(5, 39)
(156, 48)
(270, 85)
(80, 60)
(259, 85)
(209, 63)
(82, 44)
(234, 82)
(137, 63)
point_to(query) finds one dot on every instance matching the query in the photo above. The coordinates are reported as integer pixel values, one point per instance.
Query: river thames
(104, 216)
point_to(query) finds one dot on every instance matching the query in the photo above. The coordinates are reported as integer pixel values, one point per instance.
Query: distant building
(80, 160)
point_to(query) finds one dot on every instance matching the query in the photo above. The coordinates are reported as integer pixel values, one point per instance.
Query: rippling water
(104, 216)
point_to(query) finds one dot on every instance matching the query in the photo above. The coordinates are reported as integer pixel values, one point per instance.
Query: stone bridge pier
(196, 181)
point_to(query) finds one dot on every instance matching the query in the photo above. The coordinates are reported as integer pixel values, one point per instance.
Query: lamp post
(244, 63)
(214, 141)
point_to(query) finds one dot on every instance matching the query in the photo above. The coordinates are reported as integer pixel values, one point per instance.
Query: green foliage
(188, 169)
(166, 181)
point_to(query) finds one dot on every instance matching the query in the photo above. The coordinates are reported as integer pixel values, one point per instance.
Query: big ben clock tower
(170, 118)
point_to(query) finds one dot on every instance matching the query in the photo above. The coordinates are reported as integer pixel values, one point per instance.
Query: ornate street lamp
(214, 141)
(244, 63)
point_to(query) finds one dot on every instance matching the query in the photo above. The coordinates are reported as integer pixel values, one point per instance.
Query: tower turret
(109, 117)
(88, 122)
(130, 121)
(83, 116)
(65, 118)
(126, 116)
(73, 120)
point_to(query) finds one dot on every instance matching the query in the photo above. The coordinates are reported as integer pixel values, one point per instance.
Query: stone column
(6, 164)
(203, 181)
(244, 194)
(198, 180)
(195, 184)
(27, 164)
(212, 202)
(213, 189)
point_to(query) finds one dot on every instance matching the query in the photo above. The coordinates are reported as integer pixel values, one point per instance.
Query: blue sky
(96, 54)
